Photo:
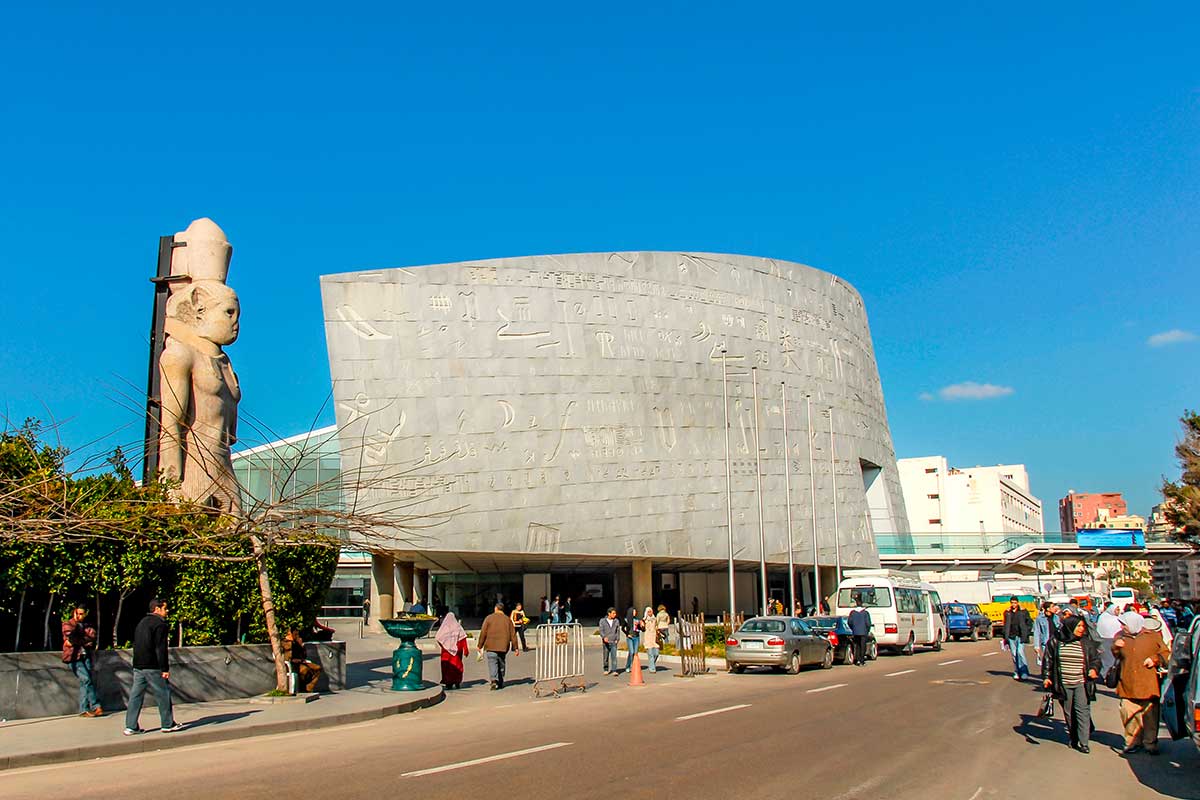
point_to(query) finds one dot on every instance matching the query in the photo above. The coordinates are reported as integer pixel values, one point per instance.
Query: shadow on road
(1037, 729)
(217, 719)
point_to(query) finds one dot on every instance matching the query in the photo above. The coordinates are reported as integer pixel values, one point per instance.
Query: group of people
(556, 610)
(1076, 651)
(650, 630)
(151, 664)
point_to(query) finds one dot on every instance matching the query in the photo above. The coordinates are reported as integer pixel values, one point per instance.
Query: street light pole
(762, 530)
(837, 544)
(787, 495)
(812, 488)
(728, 478)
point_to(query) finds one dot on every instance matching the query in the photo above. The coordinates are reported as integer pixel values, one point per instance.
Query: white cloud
(926, 396)
(970, 390)
(1173, 336)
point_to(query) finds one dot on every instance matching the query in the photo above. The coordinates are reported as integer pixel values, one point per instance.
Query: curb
(140, 744)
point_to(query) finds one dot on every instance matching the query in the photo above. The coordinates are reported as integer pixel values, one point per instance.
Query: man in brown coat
(496, 637)
(1140, 654)
(79, 642)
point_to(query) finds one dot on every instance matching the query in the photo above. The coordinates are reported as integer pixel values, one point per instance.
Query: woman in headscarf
(453, 640)
(650, 636)
(633, 634)
(1140, 654)
(1072, 667)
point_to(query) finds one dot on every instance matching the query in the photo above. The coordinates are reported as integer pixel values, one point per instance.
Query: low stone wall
(41, 685)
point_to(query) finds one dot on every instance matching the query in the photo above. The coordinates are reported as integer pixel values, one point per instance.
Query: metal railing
(558, 659)
(689, 638)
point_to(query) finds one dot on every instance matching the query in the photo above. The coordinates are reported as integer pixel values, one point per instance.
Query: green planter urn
(406, 659)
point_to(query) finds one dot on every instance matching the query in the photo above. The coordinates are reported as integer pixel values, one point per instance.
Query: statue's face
(218, 317)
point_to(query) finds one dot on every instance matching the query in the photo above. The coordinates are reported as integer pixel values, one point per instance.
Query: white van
(904, 611)
(1122, 596)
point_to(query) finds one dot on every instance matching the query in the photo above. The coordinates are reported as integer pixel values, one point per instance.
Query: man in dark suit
(860, 625)
(1017, 627)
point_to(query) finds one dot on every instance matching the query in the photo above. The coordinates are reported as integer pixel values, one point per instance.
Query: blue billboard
(1109, 538)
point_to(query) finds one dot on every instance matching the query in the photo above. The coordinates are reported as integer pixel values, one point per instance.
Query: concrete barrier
(41, 685)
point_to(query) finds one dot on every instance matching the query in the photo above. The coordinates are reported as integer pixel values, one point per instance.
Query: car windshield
(872, 596)
(823, 623)
(762, 626)
(953, 609)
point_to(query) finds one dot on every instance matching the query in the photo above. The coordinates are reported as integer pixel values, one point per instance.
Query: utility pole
(762, 530)
(787, 494)
(812, 488)
(728, 479)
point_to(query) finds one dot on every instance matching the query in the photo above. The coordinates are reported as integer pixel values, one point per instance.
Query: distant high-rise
(1078, 509)
(944, 499)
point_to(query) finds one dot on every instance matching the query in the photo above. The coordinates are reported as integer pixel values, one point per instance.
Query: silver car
(781, 642)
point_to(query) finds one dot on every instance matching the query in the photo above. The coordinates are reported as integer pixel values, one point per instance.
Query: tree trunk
(46, 623)
(268, 606)
(117, 619)
(20, 617)
(98, 618)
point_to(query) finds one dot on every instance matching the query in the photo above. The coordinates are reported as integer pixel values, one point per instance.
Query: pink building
(1079, 508)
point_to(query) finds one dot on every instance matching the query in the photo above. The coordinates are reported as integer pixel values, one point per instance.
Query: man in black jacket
(151, 668)
(1017, 627)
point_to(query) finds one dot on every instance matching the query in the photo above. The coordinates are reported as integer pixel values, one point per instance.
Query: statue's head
(209, 308)
(205, 253)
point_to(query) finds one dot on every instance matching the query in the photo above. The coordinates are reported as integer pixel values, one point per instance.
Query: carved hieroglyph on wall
(572, 403)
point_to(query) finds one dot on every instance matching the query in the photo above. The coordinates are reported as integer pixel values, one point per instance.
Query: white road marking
(901, 672)
(993, 653)
(507, 705)
(981, 730)
(978, 792)
(487, 759)
(943, 664)
(714, 711)
(825, 688)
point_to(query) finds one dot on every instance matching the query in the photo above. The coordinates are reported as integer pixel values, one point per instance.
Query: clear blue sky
(1013, 190)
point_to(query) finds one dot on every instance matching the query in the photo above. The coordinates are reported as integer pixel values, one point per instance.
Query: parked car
(966, 620)
(780, 642)
(837, 631)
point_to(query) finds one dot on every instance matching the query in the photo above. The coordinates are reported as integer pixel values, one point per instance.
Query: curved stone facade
(572, 404)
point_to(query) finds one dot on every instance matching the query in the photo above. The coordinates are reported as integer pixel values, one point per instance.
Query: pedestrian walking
(79, 645)
(151, 668)
(1070, 669)
(633, 636)
(1018, 625)
(544, 611)
(664, 624)
(452, 639)
(650, 635)
(1109, 628)
(568, 615)
(556, 610)
(1139, 653)
(366, 609)
(860, 626)
(610, 637)
(496, 637)
(520, 621)
(1044, 628)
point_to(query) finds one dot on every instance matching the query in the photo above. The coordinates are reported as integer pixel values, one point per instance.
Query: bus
(905, 613)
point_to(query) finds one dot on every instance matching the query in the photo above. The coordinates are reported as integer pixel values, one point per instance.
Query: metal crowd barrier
(689, 630)
(558, 658)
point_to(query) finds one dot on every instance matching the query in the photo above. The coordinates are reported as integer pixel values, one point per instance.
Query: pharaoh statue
(200, 391)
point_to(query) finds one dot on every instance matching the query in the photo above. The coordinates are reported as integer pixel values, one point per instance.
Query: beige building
(944, 499)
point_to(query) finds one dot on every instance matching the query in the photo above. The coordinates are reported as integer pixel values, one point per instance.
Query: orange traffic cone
(635, 675)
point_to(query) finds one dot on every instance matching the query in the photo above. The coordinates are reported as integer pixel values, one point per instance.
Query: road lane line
(978, 792)
(825, 688)
(901, 672)
(714, 711)
(948, 663)
(487, 759)
(993, 653)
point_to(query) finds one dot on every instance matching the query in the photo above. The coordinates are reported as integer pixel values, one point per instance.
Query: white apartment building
(944, 499)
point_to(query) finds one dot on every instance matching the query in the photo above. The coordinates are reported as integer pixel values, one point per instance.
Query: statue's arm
(175, 372)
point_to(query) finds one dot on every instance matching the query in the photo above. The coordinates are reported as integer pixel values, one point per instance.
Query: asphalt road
(935, 725)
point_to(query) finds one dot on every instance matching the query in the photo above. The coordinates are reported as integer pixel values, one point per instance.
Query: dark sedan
(836, 630)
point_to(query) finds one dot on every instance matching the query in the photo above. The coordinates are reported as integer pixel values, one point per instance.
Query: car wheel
(736, 669)
(974, 634)
(793, 667)
(827, 661)
(848, 658)
(907, 650)
(937, 642)
(872, 651)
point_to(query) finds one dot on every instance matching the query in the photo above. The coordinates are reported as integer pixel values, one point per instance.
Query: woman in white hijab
(453, 640)
(651, 637)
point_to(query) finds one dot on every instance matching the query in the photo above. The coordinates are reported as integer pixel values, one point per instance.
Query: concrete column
(383, 588)
(622, 590)
(643, 585)
(404, 586)
(421, 585)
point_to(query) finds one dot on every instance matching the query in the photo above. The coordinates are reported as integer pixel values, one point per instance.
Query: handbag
(1046, 708)
(1113, 676)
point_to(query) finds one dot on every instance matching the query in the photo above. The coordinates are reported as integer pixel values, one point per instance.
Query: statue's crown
(207, 254)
